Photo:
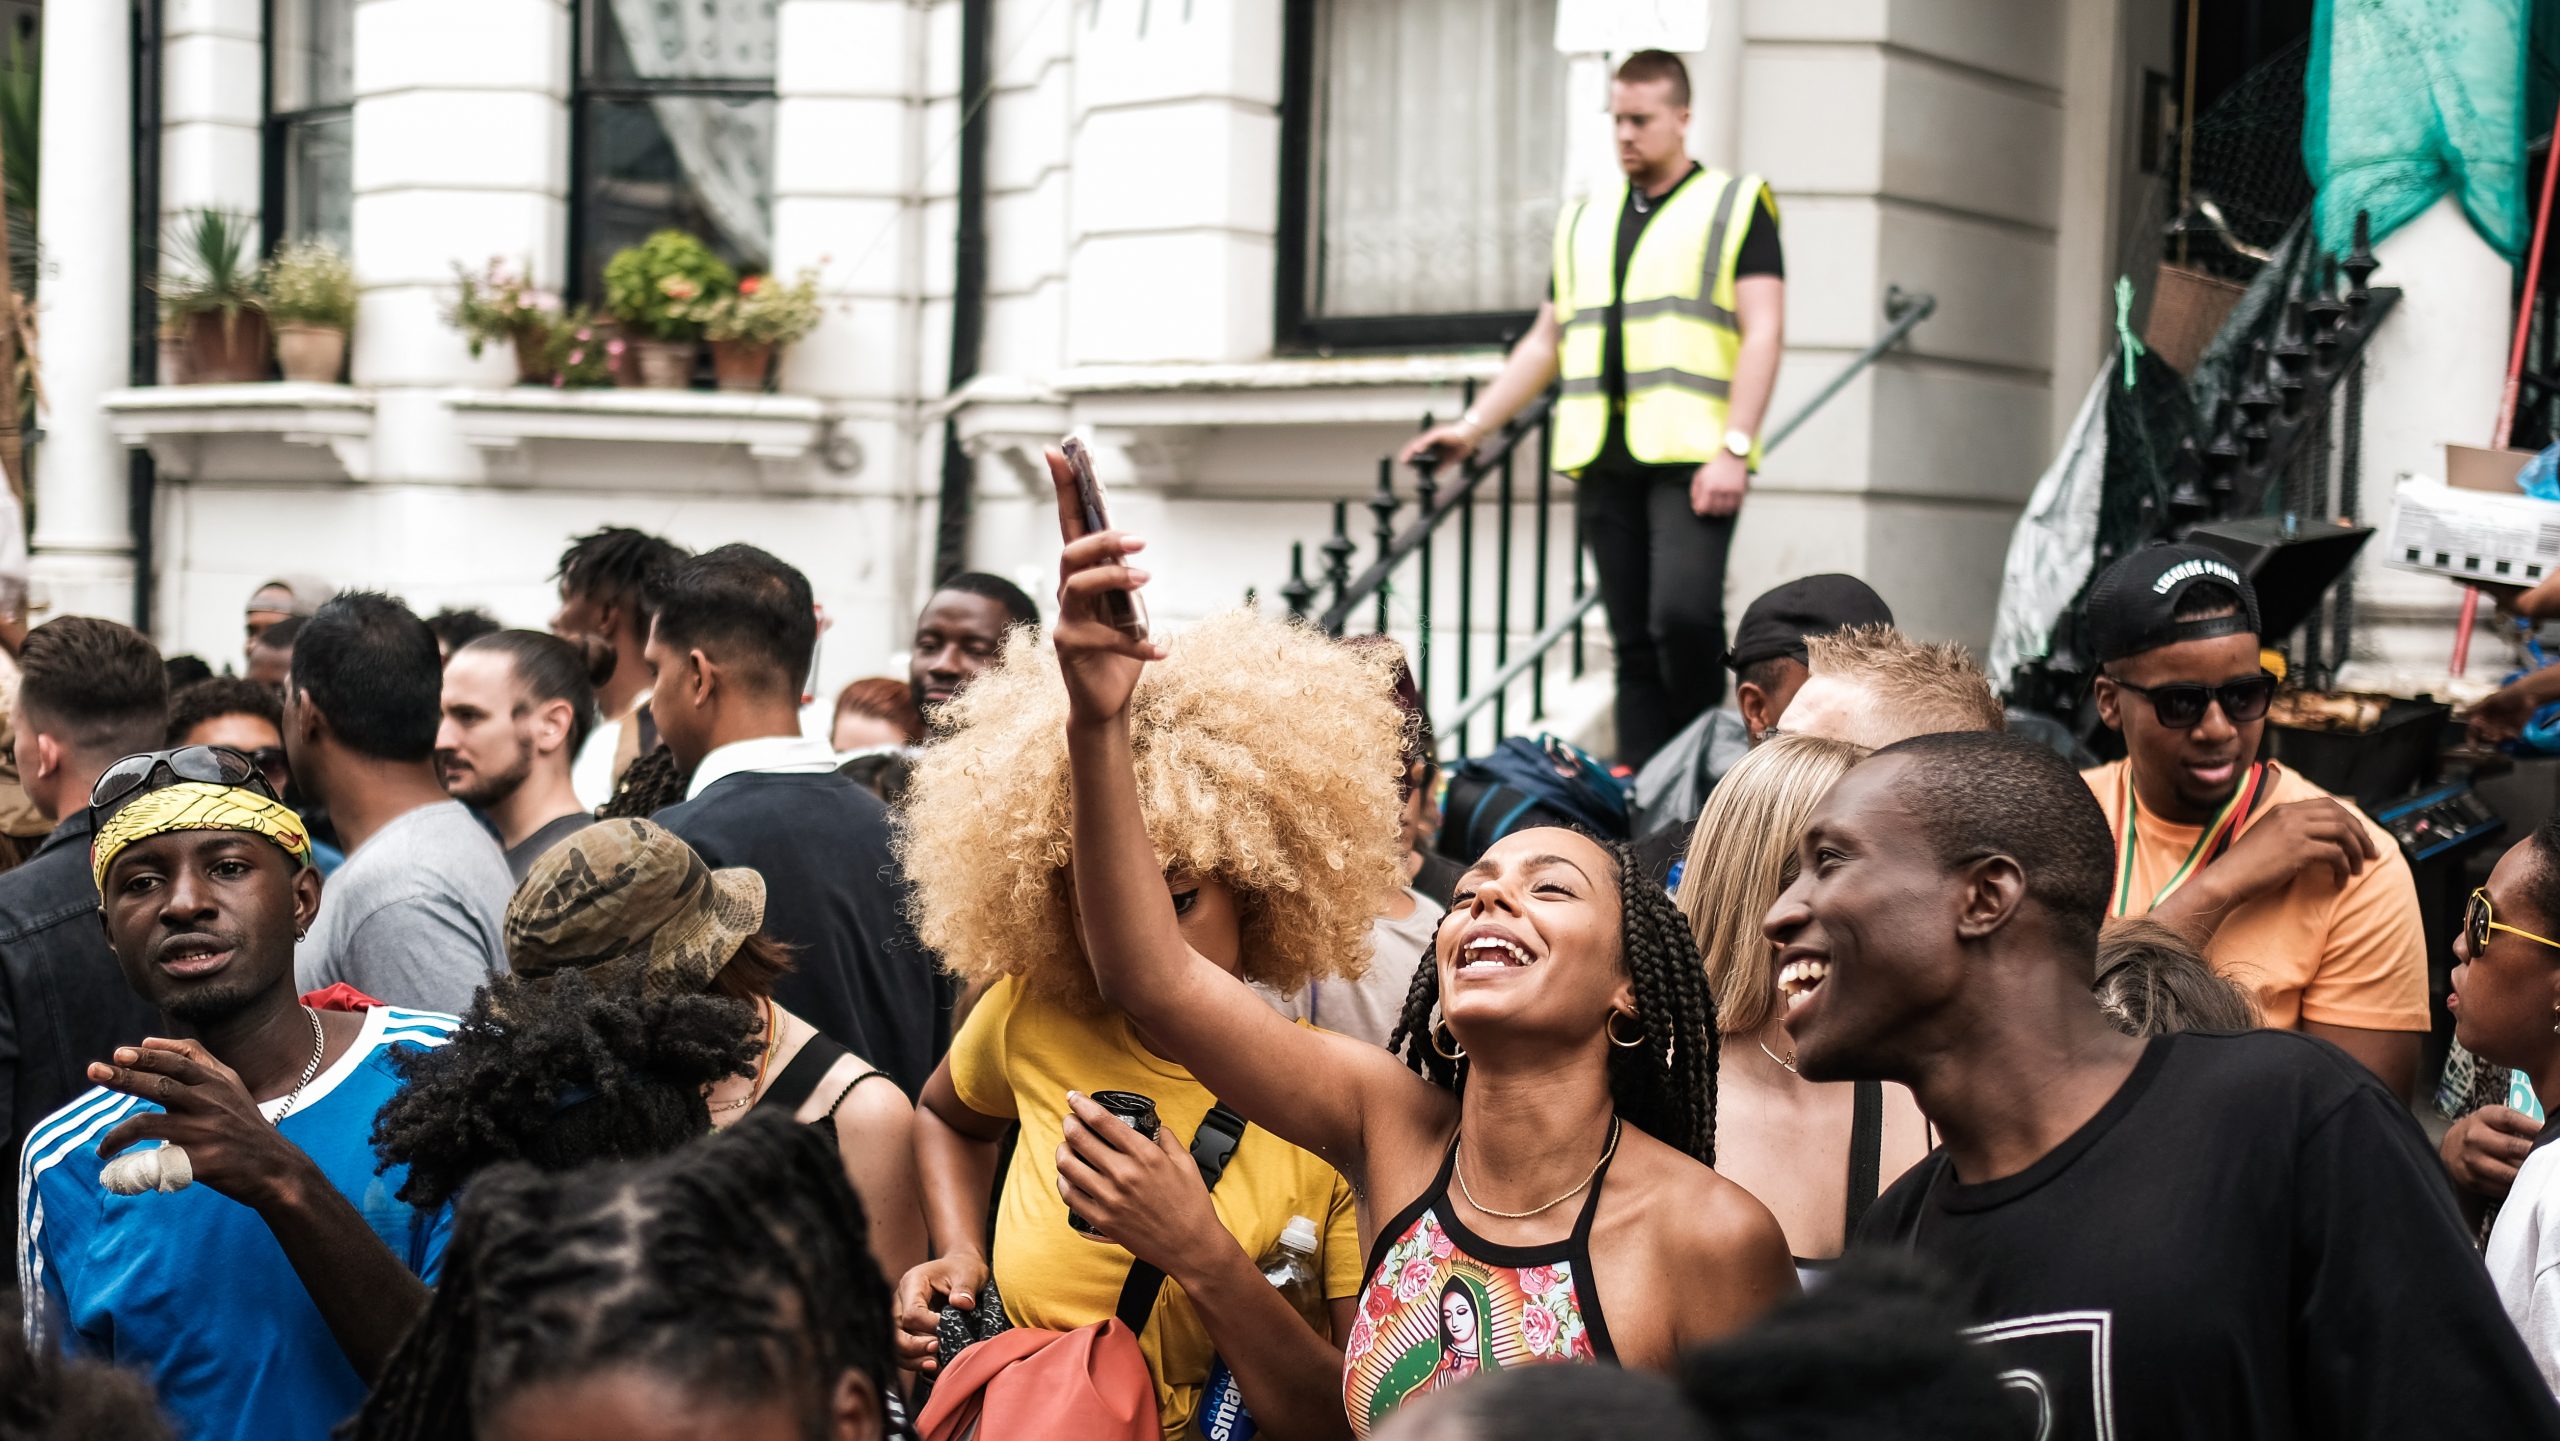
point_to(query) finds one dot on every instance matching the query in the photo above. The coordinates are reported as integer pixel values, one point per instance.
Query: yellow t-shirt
(1018, 1057)
(2314, 950)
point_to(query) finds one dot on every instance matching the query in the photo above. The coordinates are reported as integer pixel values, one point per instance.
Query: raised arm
(1187, 1007)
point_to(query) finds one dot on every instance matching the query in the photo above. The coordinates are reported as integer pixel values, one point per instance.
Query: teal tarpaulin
(2412, 100)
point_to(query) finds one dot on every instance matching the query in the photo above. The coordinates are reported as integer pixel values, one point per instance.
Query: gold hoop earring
(1612, 1027)
(1456, 1051)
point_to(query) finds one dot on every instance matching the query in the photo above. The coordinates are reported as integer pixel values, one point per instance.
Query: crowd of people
(465, 1031)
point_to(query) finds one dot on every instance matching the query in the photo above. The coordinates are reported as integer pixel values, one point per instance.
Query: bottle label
(1223, 1416)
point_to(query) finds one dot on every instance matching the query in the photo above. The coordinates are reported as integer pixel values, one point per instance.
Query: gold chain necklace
(1614, 1124)
(1786, 1061)
(755, 1087)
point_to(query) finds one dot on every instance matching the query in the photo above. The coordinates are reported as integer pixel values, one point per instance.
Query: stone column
(83, 561)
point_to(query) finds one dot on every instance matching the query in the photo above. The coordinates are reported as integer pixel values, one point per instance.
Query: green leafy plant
(763, 309)
(208, 251)
(496, 303)
(580, 350)
(653, 287)
(309, 283)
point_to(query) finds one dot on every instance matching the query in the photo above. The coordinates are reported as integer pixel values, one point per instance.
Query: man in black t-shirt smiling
(2198, 1236)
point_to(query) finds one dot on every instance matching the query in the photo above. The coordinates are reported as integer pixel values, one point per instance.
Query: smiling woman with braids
(1554, 1151)
(726, 1290)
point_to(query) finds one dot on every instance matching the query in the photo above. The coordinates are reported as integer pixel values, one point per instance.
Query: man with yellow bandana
(1664, 321)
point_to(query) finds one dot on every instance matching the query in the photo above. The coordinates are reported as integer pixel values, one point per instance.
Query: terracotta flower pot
(311, 353)
(530, 367)
(226, 349)
(665, 364)
(742, 364)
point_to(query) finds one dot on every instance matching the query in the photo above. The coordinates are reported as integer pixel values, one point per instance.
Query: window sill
(275, 430)
(1288, 390)
(777, 432)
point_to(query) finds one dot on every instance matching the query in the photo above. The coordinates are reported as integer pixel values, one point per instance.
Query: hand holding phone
(1122, 609)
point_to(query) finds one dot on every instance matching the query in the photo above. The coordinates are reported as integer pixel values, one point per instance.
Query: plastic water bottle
(1290, 1267)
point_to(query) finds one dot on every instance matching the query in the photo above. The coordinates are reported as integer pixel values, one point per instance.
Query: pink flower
(1538, 1327)
(1379, 1302)
(1363, 1331)
(751, 285)
(676, 287)
(585, 334)
(613, 348)
(1441, 1245)
(559, 382)
(1538, 1280)
(1418, 1275)
(577, 357)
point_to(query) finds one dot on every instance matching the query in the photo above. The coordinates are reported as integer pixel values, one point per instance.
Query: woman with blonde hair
(1815, 1154)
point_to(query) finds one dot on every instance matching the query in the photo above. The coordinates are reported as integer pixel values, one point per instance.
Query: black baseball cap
(1777, 623)
(2133, 604)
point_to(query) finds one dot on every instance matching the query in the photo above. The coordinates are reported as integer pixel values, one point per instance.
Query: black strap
(1212, 1146)
(1866, 1151)
(799, 1079)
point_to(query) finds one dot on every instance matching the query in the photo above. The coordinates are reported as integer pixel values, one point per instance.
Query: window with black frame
(1422, 162)
(673, 129)
(310, 180)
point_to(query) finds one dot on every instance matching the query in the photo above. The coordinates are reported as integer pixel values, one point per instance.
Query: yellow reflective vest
(1679, 337)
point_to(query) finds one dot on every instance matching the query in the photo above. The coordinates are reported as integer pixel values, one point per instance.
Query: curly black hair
(1665, 1086)
(557, 1073)
(45, 1396)
(738, 1267)
(651, 784)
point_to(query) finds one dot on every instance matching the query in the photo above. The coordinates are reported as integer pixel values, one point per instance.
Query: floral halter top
(1443, 1304)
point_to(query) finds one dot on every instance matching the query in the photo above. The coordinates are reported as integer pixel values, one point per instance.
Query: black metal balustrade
(1492, 476)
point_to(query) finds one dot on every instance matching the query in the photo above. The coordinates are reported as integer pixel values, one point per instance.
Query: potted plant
(213, 297)
(580, 351)
(652, 288)
(309, 293)
(498, 304)
(748, 327)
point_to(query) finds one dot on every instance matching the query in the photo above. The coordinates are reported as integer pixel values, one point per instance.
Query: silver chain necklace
(319, 1043)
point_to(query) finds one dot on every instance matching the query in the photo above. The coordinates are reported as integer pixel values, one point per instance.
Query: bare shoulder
(1716, 1255)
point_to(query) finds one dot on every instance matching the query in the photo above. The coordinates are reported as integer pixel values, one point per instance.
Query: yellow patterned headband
(197, 806)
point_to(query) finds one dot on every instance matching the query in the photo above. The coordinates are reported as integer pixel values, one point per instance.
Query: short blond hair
(1742, 854)
(1266, 758)
(1920, 688)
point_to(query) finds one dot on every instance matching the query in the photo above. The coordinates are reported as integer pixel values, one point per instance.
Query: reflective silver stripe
(1699, 308)
(1715, 238)
(1582, 385)
(1672, 380)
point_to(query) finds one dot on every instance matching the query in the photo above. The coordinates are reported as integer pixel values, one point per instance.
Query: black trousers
(1660, 567)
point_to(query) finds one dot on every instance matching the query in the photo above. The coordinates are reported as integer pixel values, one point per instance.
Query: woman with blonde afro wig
(1265, 753)
(1266, 772)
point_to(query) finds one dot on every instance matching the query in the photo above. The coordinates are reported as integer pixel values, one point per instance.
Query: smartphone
(1121, 609)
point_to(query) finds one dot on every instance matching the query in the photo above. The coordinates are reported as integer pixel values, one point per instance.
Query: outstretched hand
(1100, 662)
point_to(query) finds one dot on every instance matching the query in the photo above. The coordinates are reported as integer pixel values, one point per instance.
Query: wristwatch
(1737, 444)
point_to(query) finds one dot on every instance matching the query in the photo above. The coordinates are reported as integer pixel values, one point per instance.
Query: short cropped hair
(549, 669)
(1925, 687)
(1018, 608)
(745, 608)
(1646, 66)
(223, 695)
(1980, 793)
(94, 685)
(372, 668)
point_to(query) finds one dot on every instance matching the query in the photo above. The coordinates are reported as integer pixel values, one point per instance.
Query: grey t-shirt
(522, 855)
(415, 917)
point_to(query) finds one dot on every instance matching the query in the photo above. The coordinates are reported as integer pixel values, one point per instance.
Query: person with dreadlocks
(558, 1072)
(254, 1261)
(605, 608)
(1252, 705)
(1573, 1060)
(726, 1290)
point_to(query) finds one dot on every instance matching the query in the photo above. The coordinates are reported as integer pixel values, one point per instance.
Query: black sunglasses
(2182, 705)
(136, 774)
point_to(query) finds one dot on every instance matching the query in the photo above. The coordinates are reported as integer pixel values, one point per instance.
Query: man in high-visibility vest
(1664, 321)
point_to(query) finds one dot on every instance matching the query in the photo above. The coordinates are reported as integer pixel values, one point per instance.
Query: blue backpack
(1527, 782)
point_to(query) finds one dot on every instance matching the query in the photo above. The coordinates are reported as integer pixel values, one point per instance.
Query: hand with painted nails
(1099, 659)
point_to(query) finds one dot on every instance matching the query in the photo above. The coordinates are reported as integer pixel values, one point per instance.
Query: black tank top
(799, 1080)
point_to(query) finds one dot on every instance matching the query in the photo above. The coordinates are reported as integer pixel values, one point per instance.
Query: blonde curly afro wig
(1266, 757)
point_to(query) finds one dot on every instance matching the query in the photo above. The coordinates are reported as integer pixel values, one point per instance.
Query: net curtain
(720, 146)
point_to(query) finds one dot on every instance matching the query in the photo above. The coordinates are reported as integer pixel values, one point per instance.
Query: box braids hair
(1665, 1085)
(739, 1268)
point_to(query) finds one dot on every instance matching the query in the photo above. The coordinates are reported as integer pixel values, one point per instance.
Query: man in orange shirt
(2291, 892)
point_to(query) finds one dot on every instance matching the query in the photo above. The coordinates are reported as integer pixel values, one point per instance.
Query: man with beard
(254, 1263)
(604, 609)
(2196, 1236)
(2288, 890)
(517, 706)
(960, 634)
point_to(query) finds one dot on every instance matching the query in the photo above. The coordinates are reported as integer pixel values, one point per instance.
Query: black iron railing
(1400, 576)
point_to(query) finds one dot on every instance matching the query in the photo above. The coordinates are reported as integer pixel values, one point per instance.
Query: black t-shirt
(1761, 254)
(2250, 1239)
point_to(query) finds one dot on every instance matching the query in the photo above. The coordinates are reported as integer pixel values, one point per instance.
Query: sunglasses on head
(152, 770)
(2181, 705)
(2478, 921)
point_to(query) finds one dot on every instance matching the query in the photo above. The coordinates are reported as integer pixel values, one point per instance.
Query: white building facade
(1243, 244)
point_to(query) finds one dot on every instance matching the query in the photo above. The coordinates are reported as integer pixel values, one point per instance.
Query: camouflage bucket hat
(627, 898)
